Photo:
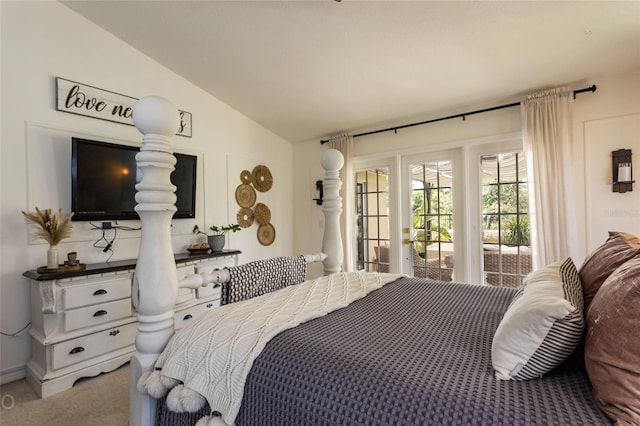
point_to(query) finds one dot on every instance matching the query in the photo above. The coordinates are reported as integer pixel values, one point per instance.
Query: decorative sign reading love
(82, 99)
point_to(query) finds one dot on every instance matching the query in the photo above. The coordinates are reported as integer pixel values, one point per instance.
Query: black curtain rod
(463, 116)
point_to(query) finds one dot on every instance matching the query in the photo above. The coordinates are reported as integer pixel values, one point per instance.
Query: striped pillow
(542, 326)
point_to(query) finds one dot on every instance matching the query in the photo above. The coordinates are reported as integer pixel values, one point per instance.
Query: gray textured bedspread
(415, 352)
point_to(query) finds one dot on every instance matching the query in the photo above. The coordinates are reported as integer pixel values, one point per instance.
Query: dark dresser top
(120, 265)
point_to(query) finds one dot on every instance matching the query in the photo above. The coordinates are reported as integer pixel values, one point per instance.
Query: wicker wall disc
(262, 179)
(266, 234)
(245, 195)
(246, 177)
(245, 217)
(263, 214)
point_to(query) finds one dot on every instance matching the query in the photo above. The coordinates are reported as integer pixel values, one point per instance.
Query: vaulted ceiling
(309, 69)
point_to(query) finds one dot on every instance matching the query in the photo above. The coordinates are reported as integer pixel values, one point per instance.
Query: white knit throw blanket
(213, 355)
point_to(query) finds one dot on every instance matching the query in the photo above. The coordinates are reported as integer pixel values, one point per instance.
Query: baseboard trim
(12, 374)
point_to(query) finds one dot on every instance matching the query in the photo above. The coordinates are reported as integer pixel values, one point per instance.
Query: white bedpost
(332, 161)
(155, 282)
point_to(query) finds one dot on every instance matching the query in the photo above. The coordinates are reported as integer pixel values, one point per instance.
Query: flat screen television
(103, 179)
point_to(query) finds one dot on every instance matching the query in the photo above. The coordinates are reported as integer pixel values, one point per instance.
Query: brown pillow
(612, 344)
(619, 248)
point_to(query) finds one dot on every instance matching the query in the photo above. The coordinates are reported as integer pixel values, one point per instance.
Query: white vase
(52, 257)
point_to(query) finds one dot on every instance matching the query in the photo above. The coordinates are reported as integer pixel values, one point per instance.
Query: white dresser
(84, 324)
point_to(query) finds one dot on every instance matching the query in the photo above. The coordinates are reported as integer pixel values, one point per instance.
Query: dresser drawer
(96, 292)
(185, 271)
(208, 267)
(211, 265)
(97, 314)
(209, 292)
(187, 316)
(93, 345)
(185, 295)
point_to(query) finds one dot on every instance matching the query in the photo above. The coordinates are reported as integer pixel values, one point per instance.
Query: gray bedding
(415, 352)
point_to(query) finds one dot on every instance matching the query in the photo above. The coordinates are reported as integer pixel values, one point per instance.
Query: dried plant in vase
(51, 227)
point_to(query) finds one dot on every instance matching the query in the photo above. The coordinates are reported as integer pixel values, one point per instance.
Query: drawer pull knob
(114, 332)
(100, 313)
(188, 317)
(76, 350)
(99, 292)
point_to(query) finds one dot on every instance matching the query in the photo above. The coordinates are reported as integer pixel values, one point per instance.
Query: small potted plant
(216, 236)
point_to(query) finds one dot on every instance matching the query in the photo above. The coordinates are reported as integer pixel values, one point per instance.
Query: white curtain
(547, 141)
(344, 144)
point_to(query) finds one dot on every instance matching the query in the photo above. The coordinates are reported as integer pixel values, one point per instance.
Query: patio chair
(510, 276)
(430, 268)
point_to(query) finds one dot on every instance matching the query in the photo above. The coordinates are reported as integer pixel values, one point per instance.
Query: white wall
(44, 40)
(604, 121)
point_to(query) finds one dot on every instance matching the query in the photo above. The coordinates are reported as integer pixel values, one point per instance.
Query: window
(372, 216)
(505, 222)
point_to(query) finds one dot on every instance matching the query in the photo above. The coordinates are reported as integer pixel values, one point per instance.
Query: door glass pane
(372, 214)
(508, 194)
(432, 219)
(505, 220)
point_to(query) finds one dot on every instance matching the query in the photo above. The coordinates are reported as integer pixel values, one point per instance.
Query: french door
(459, 214)
(430, 223)
(432, 219)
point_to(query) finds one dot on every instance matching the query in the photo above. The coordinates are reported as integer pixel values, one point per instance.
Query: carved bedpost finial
(154, 115)
(155, 282)
(332, 161)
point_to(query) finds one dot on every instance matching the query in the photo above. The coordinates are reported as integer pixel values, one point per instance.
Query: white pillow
(542, 326)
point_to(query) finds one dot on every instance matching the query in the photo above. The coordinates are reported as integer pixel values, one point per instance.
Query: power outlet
(106, 225)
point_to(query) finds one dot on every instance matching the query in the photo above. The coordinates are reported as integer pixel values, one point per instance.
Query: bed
(390, 358)
(381, 349)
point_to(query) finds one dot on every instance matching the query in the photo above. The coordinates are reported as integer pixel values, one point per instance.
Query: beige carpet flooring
(102, 400)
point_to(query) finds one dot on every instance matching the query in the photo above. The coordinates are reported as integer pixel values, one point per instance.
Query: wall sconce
(320, 191)
(621, 170)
